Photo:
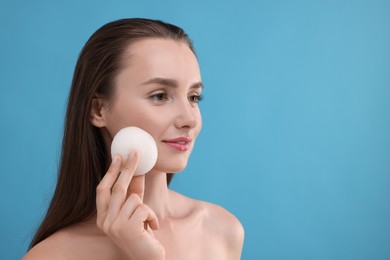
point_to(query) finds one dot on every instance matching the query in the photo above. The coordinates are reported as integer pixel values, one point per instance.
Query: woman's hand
(125, 219)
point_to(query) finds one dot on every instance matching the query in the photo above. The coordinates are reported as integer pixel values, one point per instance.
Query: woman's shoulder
(52, 247)
(223, 224)
(80, 241)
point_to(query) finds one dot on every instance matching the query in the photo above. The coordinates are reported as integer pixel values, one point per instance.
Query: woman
(144, 73)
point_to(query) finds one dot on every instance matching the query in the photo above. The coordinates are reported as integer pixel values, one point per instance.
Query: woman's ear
(97, 112)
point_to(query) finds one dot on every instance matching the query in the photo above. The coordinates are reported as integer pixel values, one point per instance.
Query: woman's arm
(235, 239)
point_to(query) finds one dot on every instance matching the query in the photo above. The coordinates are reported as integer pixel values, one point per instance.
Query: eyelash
(163, 97)
(157, 97)
(197, 98)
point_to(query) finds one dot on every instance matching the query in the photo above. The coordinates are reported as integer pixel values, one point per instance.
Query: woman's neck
(156, 194)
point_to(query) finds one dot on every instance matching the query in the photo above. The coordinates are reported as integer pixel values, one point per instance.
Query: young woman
(144, 73)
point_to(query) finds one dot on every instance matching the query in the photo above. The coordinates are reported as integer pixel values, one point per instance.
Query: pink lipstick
(180, 143)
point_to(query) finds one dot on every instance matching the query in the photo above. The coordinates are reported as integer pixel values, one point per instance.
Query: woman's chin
(171, 168)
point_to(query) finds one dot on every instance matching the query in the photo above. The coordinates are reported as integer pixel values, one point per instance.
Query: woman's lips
(180, 143)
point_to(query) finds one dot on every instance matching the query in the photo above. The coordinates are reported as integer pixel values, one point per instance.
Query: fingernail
(132, 154)
(116, 159)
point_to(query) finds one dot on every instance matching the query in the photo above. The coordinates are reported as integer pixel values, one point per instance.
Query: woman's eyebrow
(198, 85)
(170, 83)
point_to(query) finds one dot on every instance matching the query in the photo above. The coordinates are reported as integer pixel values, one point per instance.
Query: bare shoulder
(222, 226)
(224, 223)
(80, 241)
(51, 248)
(227, 229)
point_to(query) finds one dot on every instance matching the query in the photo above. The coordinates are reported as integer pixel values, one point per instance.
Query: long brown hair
(84, 154)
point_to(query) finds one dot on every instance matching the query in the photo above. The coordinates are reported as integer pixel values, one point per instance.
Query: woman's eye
(195, 98)
(159, 97)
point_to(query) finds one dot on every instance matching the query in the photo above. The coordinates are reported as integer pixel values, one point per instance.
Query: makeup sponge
(134, 138)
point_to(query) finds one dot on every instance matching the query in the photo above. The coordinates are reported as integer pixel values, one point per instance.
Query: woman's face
(158, 90)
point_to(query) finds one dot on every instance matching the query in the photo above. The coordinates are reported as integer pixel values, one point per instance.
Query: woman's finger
(103, 190)
(143, 214)
(137, 186)
(152, 219)
(121, 186)
(128, 208)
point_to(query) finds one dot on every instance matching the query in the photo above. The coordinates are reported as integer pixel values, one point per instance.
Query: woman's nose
(186, 116)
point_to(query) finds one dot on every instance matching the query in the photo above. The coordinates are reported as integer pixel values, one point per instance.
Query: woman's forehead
(159, 58)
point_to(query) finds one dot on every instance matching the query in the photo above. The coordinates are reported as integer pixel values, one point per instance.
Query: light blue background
(296, 135)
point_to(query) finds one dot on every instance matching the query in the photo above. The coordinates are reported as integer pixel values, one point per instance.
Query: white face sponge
(134, 138)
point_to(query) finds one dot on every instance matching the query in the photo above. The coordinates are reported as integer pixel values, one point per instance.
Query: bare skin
(192, 230)
(140, 217)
